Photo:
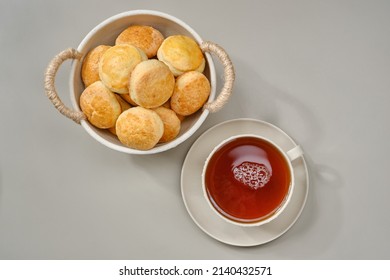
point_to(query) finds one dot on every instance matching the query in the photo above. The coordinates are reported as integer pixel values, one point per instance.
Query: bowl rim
(166, 146)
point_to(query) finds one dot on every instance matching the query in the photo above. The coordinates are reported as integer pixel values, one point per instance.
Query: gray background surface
(317, 69)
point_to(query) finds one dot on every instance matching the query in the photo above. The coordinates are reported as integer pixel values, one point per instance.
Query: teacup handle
(50, 89)
(229, 76)
(295, 153)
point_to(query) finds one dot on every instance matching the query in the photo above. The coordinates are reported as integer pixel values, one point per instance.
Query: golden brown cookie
(139, 128)
(116, 65)
(90, 67)
(151, 83)
(144, 37)
(181, 54)
(100, 105)
(192, 90)
(171, 123)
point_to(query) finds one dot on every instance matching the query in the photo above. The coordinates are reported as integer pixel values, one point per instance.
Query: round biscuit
(116, 65)
(139, 128)
(100, 105)
(192, 90)
(171, 123)
(151, 83)
(181, 54)
(144, 37)
(90, 66)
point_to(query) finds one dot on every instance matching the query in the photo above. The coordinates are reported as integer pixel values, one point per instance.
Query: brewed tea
(247, 179)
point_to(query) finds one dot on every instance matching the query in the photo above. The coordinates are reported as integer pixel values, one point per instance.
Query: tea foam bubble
(251, 174)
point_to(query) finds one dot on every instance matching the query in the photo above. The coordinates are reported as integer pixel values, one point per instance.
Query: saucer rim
(185, 163)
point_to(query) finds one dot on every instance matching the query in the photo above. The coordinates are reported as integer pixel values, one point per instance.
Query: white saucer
(196, 204)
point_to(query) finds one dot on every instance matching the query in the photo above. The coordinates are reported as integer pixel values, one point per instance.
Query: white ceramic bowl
(106, 33)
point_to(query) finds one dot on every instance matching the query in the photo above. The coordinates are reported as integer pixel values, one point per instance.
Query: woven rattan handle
(229, 76)
(50, 89)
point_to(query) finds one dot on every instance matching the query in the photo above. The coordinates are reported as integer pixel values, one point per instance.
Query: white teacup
(248, 180)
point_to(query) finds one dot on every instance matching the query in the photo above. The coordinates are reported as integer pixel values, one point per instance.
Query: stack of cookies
(141, 88)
